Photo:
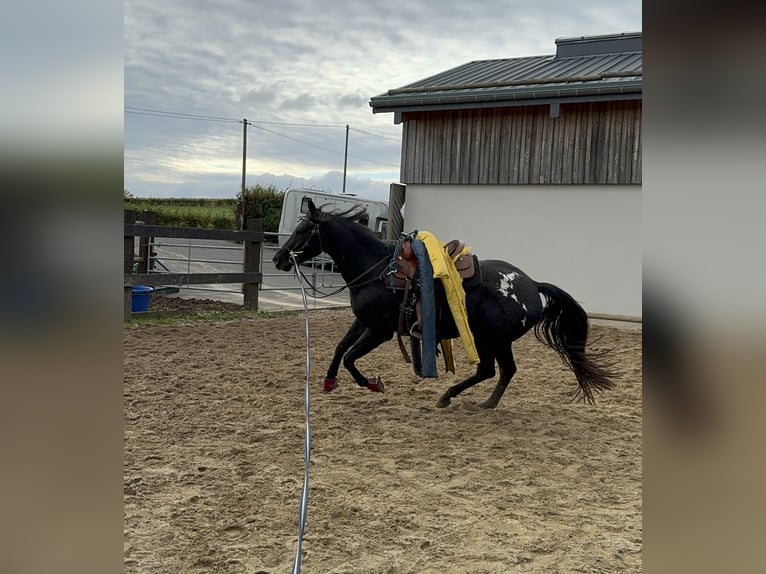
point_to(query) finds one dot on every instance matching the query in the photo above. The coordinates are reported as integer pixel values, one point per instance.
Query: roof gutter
(404, 101)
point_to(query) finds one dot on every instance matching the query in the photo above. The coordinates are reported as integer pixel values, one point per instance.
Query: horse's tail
(564, 327)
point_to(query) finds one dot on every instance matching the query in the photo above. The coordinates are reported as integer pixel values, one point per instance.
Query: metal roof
(586, 68)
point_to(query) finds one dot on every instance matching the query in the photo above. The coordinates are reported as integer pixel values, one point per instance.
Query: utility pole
(244, 123)
(243, 206)
(345, 162)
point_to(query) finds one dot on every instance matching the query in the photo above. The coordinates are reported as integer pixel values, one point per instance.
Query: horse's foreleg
(507, 370)
(351, 337)
(485, 370)
(367, 342)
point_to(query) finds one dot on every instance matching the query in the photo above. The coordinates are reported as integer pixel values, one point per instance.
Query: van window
(305, 205)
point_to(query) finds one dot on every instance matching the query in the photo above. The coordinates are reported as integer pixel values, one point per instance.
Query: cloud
(292, 62)
(260, 97)
(331, 181)
(304, 101)
(212, 186)
(355, 100)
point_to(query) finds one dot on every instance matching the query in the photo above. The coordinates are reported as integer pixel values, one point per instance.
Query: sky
(300, 71)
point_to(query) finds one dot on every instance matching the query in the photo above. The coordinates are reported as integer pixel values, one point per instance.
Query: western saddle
(404, 276)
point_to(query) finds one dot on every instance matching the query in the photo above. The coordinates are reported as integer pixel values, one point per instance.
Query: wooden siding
(592, 143)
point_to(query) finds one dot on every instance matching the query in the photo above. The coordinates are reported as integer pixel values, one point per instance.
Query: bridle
(314, 231)
(355, 282)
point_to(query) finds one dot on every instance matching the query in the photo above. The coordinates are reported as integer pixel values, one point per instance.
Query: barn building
(534, 160)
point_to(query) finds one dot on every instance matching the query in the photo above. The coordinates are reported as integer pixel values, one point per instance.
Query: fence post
(396, 196)
(252, 263)
(144, 250)
(130, 217)
(241, 215)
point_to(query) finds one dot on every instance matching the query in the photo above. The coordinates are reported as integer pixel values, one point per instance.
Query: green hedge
(263, 203)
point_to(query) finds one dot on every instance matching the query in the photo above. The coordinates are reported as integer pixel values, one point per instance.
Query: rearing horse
(502, 307)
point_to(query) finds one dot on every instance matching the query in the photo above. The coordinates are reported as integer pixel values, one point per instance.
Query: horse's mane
(355, 213)
(350, 219)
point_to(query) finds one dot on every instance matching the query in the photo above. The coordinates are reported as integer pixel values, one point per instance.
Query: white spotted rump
(506, 284)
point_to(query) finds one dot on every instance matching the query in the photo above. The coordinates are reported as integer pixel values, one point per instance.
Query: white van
(295, 206)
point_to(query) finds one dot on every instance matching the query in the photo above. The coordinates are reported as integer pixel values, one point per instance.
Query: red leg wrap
(330, 384)
(376, 385)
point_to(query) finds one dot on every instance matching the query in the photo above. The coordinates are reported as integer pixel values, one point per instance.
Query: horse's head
(304, 241)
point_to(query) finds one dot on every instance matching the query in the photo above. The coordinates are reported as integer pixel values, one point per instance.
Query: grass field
(211, 213)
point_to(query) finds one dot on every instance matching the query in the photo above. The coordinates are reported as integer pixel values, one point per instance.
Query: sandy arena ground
(214, 458)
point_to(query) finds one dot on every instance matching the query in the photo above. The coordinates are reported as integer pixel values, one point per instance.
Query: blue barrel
(140, 298)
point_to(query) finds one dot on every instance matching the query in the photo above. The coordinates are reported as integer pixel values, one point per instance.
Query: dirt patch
(214, 453)
(161, 305)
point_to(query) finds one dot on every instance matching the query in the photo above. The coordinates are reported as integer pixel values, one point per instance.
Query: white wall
(585, 239)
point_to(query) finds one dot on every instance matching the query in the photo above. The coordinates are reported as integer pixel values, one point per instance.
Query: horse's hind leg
(351, 337)
(485, 370)
(507, 369)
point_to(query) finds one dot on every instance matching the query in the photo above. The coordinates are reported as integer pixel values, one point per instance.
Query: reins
(353, 283)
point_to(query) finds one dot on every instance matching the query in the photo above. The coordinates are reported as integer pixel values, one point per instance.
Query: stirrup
(416, 332)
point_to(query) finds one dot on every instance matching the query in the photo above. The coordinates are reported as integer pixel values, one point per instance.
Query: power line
(298, 125)
(184, 115)
(322, 147)
(295, 139)
(375, 135)
(254, 123)
(188, 116)
(180, 115)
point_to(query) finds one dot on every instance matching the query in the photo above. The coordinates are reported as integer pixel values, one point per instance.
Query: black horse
(502, 307)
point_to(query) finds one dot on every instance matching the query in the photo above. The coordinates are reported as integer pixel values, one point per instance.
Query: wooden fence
(145, 230)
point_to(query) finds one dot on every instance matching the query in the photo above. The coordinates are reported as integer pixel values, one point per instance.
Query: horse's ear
(312, 208)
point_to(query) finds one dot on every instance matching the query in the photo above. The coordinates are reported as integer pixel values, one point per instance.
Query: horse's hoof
(443, 402)
(330, 384)
(376, 385)
(486, 405)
